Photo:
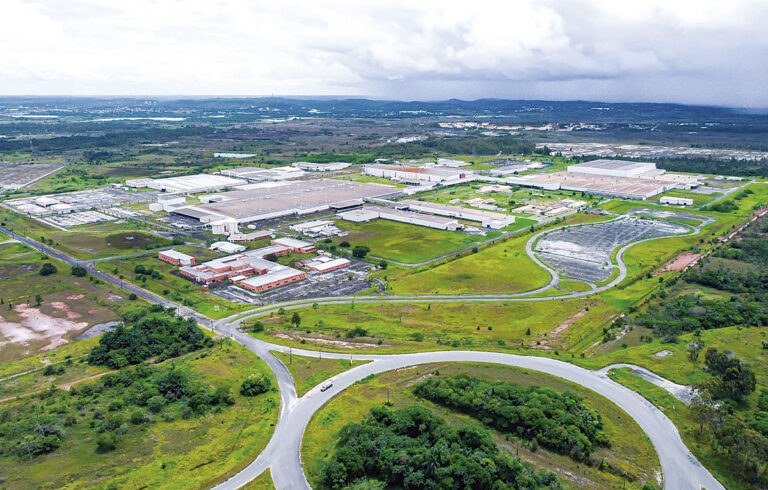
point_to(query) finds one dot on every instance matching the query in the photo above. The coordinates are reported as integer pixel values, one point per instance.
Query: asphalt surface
(282, 454)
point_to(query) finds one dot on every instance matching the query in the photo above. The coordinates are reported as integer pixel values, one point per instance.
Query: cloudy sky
(710, 52)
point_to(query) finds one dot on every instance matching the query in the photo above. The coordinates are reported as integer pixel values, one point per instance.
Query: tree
(693, 351)
(47, 269)
(360, 251)
(345, 244)
(271, 257)
(38, 300)
(703, 406)
(255, 384)
(383, 264)
(78, 271)
(296, 319)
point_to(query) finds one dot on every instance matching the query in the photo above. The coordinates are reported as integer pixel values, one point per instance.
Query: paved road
(282, 454)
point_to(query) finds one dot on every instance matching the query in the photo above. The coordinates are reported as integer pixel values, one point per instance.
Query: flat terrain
(402, 242)
(631, 452)
(308, 372)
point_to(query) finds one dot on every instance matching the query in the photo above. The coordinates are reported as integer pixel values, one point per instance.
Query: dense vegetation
(557, 421)
(414, 449)
(111, 407)
(152, 333)
(714, 166)
(690, 312)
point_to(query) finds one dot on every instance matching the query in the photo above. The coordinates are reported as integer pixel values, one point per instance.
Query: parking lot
(584, 252)
(78, 219)
(331, 284)
(14, 177)
(105, 197)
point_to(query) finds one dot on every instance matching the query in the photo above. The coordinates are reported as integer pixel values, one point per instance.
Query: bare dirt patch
(322, 341)
(37, 327)
(76, 296)
(680, 262)
(547, 344)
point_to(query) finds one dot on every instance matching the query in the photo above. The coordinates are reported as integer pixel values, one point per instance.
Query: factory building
(227, 247)
(187, 184)
(487, 219)
(279, 276)
(321, 167)
(249, 237)
(297, 199)
(258, 174)
(676, 201)
(418, 175)
(176, 258)
(370, 213)
(323, 264)
(317, 228)
(235, 267)
(617, 168)
(297, 246)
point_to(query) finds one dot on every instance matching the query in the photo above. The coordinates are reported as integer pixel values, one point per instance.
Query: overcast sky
(709, 52)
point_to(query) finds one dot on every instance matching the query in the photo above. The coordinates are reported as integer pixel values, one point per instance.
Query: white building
(676, 201)
(450, 162)
(321, 167)
(258, 174)
(370, 213)
(187, 184)
(227, 226)
(227, 247)
(617, 168)
(321, 227)
(487, 219)
(418, 175)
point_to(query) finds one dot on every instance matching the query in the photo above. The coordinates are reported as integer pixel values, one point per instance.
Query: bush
(357, 332)
(78, 271)
(156, 403)
(138, 417)
(255, 384)
(107, 442)
(132, 297)
(360, 251)
(47, 269)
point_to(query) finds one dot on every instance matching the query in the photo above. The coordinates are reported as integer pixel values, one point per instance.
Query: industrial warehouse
(426, 174)
(298, 199)
(619, 178)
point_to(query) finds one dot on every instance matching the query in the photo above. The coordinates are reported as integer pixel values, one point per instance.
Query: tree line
(414, 449)
(557, 421)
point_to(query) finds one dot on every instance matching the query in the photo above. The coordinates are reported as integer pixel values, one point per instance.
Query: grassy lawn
(261, 482)
(179, 452)
(308, 372)
(575, 286)
(631, 452)
(403, 242)
(501, 268)
(172, 286)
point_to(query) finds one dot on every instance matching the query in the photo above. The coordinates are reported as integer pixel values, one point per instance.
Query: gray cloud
(651, 50)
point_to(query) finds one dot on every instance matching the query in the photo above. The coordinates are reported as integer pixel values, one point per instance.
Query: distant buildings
(418, 175)
(321, 167)
(187, 184)
(297, 246)
(258, 174)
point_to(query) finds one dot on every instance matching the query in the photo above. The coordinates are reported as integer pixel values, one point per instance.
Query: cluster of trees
(752, 249)
(153, 332)
(110, 407)
(713, 166)
(255, 384)
(752, 281)
(414, 449)
(47, 269)
(140, 270)
(731, 377)
(689, 312)
(470, 145)
(557, 421)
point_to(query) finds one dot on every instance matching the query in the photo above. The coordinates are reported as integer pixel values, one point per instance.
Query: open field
(403, 242)
(308, 372)
(631, 453)
(68, 306)
(193, 452)
(90, 241)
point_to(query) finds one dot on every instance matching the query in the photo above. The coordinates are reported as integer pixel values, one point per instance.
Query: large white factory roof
(187, 183)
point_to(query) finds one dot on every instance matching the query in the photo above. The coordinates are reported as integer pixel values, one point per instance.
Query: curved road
(282, 454)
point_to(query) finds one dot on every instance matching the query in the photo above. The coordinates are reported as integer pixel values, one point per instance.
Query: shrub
(47, 269)
(255, 384)
(78, 271)
(107, 442)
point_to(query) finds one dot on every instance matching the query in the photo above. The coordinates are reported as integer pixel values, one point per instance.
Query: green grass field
(308, 372)
(197, 452)
(631, 452)
(406, 243)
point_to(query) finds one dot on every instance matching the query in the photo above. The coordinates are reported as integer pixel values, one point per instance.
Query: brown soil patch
(76, 296)
(114, 297)
(680, 262)
(320, 341)
(59, 306)
(546, 344)
(36, 326)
